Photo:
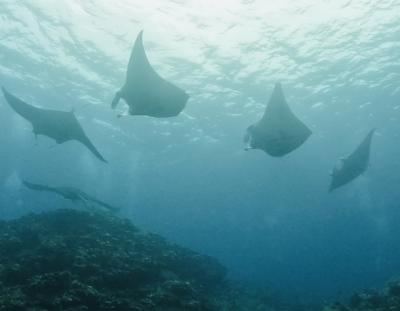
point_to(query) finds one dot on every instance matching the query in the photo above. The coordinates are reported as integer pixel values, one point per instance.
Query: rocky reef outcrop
(386, 300)
(78, 261)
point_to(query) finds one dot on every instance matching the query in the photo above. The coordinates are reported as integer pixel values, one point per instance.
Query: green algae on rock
(73, 260)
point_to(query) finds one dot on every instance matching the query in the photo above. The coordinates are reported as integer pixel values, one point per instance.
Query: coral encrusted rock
(79, 261)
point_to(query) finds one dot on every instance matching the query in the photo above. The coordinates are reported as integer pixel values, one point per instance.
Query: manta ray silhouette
(279, 131)
(145, 92)
(70, 193)
(354, 165)
(61, 126)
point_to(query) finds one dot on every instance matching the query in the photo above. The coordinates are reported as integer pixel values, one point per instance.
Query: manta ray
(145, 91)
(279, 131)
(354, 165)
(61, 126)
(73, 194)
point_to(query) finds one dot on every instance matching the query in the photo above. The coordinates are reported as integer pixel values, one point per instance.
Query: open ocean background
(270, 221)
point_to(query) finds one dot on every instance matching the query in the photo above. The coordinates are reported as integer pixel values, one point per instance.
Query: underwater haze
(271, 221)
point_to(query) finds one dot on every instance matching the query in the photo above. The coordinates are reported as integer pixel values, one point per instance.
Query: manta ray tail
(23, 109)
(31, 186)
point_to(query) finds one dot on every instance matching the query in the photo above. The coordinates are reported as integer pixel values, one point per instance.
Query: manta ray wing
(28, 112)
(66, 192)
(145, 91)
(38, 187)
(279, 131)
(139, 70)
(70, 193)
(61, 126)
(78, 134)
(354, 165)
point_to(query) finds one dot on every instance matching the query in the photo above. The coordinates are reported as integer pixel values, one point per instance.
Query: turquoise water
(271, 221)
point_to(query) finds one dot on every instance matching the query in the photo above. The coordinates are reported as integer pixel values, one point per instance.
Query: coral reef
(78, 261)
(73, 260)
(386, 300)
